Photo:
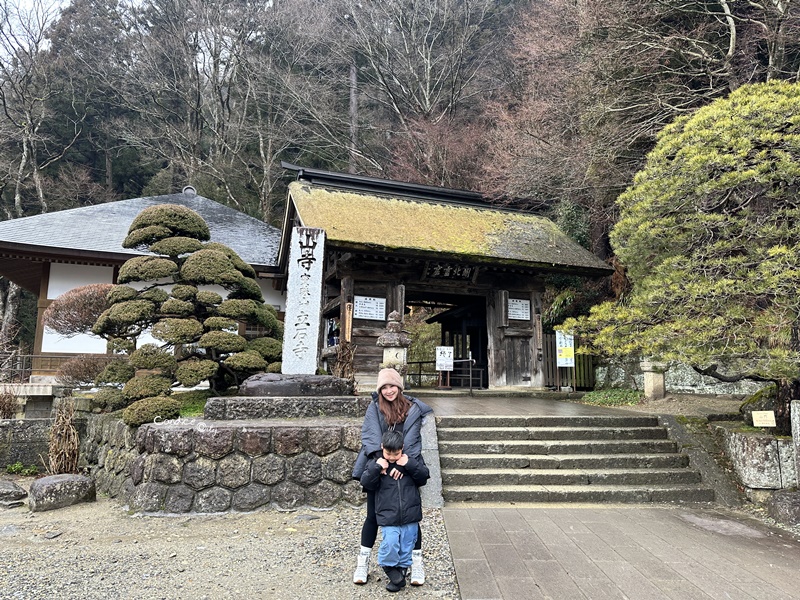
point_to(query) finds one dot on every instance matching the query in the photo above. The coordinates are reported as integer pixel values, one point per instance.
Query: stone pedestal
(654, 387)
(395, 343)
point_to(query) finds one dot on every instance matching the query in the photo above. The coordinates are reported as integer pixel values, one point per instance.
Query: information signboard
(565, 350)
(444, 358)
(368, 307)
(519, 309)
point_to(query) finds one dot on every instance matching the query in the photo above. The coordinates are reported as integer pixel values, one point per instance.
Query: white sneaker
(417, 568)
(362, 568)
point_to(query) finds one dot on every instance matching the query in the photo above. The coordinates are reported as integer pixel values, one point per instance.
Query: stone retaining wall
(760, 461)
(194, 465)
(24, 440)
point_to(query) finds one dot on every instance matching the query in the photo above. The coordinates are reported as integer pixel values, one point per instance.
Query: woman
(389, 410)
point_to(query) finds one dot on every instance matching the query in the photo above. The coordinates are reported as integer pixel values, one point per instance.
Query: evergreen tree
(708, 232)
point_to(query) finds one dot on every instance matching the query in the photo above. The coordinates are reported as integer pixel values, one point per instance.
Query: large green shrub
(149, 410)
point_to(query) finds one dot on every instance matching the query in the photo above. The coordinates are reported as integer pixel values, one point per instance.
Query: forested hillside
(547, 104)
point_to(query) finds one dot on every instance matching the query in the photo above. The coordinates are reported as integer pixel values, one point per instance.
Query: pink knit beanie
(390, 377)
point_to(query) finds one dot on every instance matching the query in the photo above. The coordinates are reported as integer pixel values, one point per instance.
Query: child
(395, 478)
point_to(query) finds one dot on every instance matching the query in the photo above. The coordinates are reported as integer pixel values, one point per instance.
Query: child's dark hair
(392, 441)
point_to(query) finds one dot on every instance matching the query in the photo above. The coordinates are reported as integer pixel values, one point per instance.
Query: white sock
(366, 550)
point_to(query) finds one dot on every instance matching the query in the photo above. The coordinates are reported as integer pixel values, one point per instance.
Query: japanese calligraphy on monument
(303, 302)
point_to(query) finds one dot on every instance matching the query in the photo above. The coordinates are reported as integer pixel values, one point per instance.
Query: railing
(464, 374)
(18, 368)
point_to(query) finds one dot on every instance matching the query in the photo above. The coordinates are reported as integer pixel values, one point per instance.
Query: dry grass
(64, 442)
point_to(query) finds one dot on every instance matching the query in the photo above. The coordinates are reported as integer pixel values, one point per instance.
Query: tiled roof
(501, 237)
(102, 228)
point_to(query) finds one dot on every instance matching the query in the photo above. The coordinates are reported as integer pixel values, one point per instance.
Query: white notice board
(368, 307)
(565, 350)
(519, 309)
(444, 358)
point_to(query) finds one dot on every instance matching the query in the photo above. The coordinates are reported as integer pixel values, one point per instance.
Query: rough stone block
(250, 497)
(351, 438)
(323, 494)
(324, 440)
(179, 499)
(200, 473)
(784, 507)
(214, 441)
(338, 466)
(233, 471)
(136, 470)
(274, 384)
(149, 497)
(304, 469)
(255, 441)
(58, 491)
(173, 439)
(288, 495)
(269, 469)
(11, 495)
(162, 467)
(353, 493)
(289, 441)
(212, 500)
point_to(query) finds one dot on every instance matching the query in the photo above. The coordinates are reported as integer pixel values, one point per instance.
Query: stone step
(526, 477)
(550, 433)
(547, 421)
(557, 447)
(624, 494)
(563, 461)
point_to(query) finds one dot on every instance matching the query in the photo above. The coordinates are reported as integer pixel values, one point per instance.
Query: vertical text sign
(303, 301)
(565, 350)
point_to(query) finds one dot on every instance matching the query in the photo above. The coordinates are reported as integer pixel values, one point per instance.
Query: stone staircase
(621, 459)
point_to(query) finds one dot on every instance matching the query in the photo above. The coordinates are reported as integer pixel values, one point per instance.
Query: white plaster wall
(65, 277)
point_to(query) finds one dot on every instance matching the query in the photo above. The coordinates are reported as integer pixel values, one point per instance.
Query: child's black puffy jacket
(397, 501)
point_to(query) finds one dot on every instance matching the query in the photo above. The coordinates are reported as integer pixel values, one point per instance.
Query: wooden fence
(581, 377)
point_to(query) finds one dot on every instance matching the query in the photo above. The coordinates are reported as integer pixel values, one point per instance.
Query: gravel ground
(98, 550)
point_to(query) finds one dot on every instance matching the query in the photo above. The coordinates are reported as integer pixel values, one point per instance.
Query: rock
(275, 384)
(11, 495)
(784, 507)
(58, 491)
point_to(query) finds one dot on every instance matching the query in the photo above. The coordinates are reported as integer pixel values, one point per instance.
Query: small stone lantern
(395, 344)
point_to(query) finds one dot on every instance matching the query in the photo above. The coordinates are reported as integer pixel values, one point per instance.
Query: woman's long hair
(394, 412)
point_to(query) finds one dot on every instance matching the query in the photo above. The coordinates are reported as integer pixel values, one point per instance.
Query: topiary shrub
(191, 372)
(275, 367)
(180, 308)
(177, 219)
(154, 295)
(151, 356)
(149, 410)
(146, 268)
(245, 361)
(220, 324)
(222, 341)
(143, 387)
(109, 399)
(175, 246)
(208, 298)
(270, 349)
(184, 292)
(121, 293)
(177, 331)
(117, 371)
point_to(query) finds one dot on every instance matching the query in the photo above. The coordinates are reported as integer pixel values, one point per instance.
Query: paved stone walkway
(568, 552)
(633, 552)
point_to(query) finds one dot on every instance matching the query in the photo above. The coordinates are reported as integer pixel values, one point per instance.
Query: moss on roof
(368, 220)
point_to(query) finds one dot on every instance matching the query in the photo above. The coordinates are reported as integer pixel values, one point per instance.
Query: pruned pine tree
(708, 234)
(175, 294)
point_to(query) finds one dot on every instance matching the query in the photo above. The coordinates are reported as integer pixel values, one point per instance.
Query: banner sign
(565, 350)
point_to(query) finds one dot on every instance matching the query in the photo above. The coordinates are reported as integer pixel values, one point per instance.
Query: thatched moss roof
(362, 220)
